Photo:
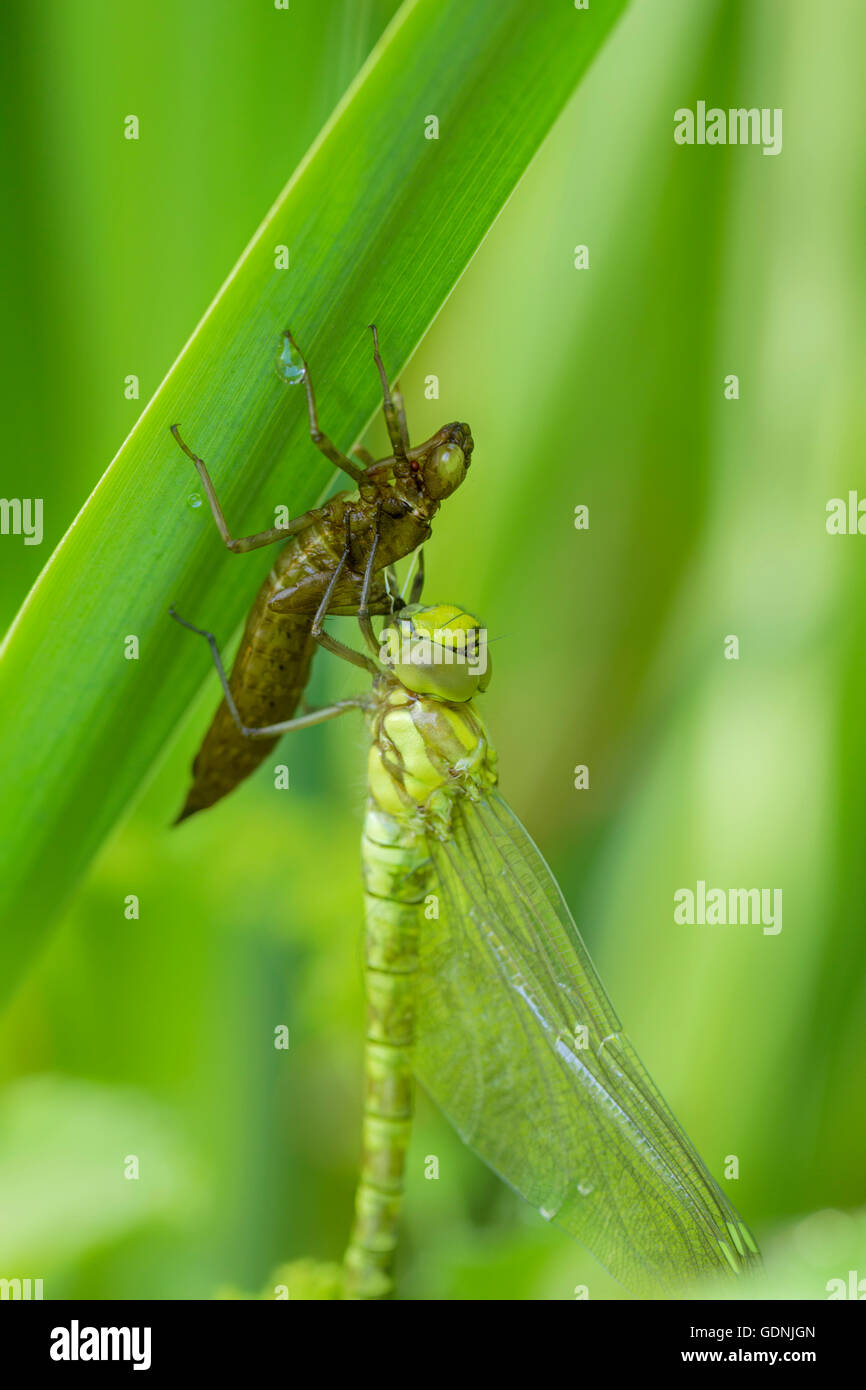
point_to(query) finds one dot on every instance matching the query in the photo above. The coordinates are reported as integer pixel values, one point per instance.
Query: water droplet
(548, 1215)
(193, 500)
(585, 1188)
(288, 363)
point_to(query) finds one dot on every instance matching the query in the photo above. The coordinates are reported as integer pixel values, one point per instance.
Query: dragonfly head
(437, 650)
(440, 465)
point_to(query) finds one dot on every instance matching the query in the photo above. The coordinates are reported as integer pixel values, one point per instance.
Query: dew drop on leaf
(289, 366)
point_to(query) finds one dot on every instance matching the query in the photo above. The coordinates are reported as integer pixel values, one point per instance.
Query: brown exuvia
(327, 554)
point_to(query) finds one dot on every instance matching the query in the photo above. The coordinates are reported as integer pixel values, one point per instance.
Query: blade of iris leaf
(380, 222)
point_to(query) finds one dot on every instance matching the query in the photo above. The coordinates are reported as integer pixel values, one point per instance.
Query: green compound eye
(440, 651)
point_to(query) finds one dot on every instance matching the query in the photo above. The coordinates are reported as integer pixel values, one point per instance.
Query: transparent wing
(520, 1047)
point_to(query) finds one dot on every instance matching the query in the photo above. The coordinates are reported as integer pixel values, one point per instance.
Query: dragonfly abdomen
(396, 868)
(268, 678)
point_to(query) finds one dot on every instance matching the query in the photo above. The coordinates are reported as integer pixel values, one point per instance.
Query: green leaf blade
(380, 224)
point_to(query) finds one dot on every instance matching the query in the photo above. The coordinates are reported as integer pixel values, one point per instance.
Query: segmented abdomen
(267, 681)
(270, 671)
(396, 869)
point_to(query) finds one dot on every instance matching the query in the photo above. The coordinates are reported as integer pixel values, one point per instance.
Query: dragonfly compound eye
(439, 651)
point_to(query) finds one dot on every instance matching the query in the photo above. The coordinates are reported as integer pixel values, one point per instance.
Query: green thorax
(425, 753)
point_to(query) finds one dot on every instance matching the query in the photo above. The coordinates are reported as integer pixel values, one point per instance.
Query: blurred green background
(154, 1037)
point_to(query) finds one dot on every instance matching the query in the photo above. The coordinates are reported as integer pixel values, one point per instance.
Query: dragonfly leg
(364, 622)
(418, 581)
(303, 721)
(399, 406)
(236, 544)
(395, 416)
(365, 456)
(318, 629)
(392, 589)
(321, 441)
(217, 661)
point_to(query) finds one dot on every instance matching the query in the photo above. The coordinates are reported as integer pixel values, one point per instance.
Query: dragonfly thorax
(425, 753)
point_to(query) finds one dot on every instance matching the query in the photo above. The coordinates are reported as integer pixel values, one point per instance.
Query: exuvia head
(440, 464)
(438, 650)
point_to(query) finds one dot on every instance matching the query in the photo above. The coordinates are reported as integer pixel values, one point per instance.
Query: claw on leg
(217, 659)
(395, 418)
(321, 440)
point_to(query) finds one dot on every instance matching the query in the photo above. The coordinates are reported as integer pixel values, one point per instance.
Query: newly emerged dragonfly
(478, 984)
(327, 554)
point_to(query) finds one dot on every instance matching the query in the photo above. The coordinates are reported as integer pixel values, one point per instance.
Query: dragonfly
(479, 986)
(328, 554)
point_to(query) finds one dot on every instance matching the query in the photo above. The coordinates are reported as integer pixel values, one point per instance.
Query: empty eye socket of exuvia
(445, 470)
